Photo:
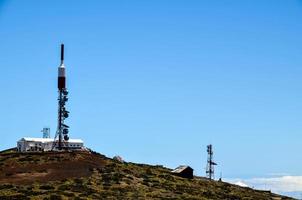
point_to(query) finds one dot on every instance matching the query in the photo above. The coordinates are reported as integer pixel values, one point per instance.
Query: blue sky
(156, 81)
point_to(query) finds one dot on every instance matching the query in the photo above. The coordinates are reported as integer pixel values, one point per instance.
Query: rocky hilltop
(90, 175)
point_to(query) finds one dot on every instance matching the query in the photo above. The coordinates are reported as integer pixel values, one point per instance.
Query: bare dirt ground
(44, 167)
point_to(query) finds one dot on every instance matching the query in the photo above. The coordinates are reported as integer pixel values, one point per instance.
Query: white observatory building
(29, 144)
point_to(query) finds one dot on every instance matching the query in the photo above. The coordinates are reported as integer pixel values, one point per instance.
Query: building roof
(180, 168)
(43, 140)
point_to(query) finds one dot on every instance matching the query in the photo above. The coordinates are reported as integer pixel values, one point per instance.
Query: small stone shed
(183, 171)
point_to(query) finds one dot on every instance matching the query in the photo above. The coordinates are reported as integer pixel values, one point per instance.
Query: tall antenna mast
(62, 130)
(210, 163)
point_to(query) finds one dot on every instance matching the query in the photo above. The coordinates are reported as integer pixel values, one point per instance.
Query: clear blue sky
(156, 81)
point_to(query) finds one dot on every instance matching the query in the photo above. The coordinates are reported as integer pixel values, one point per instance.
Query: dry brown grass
(85, 175)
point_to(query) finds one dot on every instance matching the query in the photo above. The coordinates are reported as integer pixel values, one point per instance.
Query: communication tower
(62, 129)
(210, 163)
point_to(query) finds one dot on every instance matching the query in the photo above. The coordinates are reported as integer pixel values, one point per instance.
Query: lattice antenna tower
(210, 163)
(63, 129)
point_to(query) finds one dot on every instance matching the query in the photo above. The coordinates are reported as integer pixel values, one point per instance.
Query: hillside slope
(86, 175)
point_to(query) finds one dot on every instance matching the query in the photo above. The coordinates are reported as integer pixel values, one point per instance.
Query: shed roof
(180, 168)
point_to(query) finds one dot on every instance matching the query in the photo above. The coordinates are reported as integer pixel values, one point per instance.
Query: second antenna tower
(210, 163)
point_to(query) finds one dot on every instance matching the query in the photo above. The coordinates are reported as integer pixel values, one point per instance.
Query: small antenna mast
(62, 53)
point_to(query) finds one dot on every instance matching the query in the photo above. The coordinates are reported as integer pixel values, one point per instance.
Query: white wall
(24, 146)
